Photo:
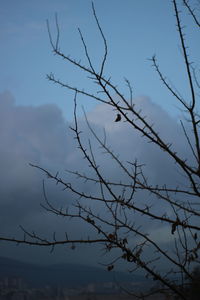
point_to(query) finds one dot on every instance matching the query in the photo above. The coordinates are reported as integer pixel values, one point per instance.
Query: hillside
(60, 274)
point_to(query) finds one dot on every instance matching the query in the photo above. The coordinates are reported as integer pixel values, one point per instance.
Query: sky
(35, 114)
(135, 30)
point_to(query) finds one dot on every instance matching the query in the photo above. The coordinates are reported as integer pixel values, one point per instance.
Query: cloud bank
(40, 135)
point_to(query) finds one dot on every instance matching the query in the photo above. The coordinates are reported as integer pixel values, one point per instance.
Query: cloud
(28, 135)
(40, 135)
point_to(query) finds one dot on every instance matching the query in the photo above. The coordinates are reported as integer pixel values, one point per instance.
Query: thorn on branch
(90, 220)
(174, 226)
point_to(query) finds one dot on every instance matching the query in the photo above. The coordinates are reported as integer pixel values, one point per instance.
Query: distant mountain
(61, 275)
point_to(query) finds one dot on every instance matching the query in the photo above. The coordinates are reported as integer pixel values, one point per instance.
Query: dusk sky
(35, 114)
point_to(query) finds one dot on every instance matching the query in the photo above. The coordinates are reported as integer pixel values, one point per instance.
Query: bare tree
(114, 227)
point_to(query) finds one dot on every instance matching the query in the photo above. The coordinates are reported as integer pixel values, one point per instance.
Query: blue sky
(35, 114)
(135, 30)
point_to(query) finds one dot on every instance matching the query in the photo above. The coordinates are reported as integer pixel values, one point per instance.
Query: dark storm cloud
(41, 136)
(28, 135)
